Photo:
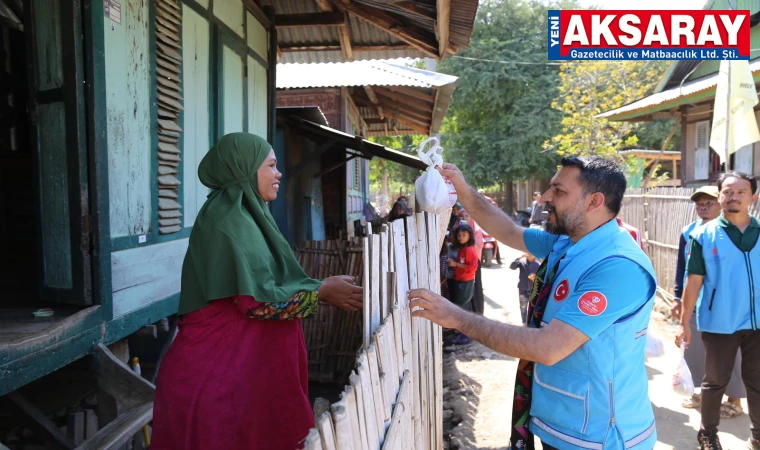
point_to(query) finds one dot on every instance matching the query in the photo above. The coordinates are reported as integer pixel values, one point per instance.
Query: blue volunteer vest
(686, 233)
(731, 296)
(596, 398)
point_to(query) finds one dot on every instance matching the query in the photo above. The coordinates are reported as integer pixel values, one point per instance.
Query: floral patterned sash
(521, 437)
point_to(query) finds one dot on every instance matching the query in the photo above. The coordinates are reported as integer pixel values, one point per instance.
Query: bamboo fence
(394, 396)
(660, 214)
(332, 335)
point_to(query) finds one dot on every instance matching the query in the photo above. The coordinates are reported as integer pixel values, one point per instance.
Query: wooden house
(356, 100)
(687, 93)
(108, 106)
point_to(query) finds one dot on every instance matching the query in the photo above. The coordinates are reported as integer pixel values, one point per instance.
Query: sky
(644, 4)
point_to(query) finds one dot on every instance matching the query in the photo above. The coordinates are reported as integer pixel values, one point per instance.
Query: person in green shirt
(724, 256)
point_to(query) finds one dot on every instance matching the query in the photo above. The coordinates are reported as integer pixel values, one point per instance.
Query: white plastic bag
(654, 346)
(682, 382)
(433, 193)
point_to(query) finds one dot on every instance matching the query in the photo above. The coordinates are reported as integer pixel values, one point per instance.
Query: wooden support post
(391, 25)
(40, 422)
(443, 11)
(659, 155)
(344, 35)
(75, 427)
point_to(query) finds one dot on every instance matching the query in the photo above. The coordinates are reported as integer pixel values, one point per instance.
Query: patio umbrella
(734, 124)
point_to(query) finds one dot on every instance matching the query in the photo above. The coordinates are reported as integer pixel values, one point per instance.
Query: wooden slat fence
(393, 399)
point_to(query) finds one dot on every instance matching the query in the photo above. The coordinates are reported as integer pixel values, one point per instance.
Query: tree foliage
(399, 179)
(590, 88)
(501, 114)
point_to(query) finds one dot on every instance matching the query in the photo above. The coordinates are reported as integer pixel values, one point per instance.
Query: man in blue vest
(707, 208)
(723, 262)
(581, 381)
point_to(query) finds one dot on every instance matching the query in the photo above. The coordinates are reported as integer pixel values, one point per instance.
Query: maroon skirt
(234, 383)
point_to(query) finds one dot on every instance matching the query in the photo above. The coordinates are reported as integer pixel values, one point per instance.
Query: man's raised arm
(489, 217)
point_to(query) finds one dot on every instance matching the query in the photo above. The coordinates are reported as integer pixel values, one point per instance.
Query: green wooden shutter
(56, 101)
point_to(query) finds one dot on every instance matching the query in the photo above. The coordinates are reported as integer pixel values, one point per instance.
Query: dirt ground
(478, 382)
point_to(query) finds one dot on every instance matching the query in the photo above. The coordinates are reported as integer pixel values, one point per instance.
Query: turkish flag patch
(561, 291)
(592, 303)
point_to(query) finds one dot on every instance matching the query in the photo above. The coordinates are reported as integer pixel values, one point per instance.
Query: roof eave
(441, 106)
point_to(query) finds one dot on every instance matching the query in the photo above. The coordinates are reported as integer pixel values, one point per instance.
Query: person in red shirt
(465, 266)
(633, 231)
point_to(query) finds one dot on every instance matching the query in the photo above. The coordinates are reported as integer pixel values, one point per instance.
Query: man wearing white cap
(707, 207)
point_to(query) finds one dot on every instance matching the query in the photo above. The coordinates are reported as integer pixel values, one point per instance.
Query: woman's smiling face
(269, 178)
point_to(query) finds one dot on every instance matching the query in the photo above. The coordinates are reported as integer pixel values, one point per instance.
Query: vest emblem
(592, 303)
(563, 289)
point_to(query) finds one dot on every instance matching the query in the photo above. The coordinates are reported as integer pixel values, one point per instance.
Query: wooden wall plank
(342, 425)
(366, 403)
(367, 308)
(384, 268)
(232, 90)
(327, 432)
(127, 66)
(375, 285)
(373, 394)
(313, 441)
(397, 333)
(411, 251)
(382, 404)
(145, 274)
(402, 286)
(396, 437)
(231, 13)
(258, 37)
(257, 97)
(53, 189)
(423, 277)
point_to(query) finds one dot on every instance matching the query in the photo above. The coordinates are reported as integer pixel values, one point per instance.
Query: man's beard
(566, 223)
(733, 208)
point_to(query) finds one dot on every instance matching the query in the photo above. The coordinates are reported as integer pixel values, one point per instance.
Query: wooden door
(53, 32)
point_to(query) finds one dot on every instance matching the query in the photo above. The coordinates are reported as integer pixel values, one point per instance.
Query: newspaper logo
(648, 35)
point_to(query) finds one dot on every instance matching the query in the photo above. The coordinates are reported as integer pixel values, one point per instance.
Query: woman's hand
(452, 263)
(341, 291)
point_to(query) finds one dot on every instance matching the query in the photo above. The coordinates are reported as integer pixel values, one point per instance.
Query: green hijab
(235, 246)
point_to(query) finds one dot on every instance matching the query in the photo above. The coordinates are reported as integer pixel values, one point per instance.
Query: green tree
(388, 179)
(501, 114)
(590, 88)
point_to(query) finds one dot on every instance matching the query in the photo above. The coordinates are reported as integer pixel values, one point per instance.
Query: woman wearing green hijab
(236, 375)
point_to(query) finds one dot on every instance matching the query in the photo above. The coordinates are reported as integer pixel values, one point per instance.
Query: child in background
(464, 267)
(528, 267)
(444, 255)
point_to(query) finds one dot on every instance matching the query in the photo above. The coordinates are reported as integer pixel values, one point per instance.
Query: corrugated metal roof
(357, 73)
(687, 89)
(365, 34)
(378, 129)
(681, 69)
